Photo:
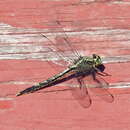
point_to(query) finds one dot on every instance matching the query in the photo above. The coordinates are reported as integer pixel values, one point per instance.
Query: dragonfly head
(98, 62)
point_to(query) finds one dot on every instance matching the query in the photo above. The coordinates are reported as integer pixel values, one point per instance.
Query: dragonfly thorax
(84, 64)
(87, 64)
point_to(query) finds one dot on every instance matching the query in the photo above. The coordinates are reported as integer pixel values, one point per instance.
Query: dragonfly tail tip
(18, 94)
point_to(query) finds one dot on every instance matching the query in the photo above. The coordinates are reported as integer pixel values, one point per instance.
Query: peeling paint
(22, 43)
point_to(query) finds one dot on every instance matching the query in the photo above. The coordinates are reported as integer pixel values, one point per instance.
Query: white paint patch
(5, 99)
(111, 85)
(120, 85)
(21, 43)
(116, 59)
(121, 2)
(102, 1)
(18, 82)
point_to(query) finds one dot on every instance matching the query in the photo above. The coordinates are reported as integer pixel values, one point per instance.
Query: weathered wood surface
(93, 26)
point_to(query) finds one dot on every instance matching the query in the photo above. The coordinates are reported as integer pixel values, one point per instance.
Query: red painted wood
(98, 26)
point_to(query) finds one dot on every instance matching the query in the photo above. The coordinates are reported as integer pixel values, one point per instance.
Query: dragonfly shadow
(79, 88)
(74, 75)
(99, 90)
(57, 90)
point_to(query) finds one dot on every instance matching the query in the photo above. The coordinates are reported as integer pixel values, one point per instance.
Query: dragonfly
(83, 72)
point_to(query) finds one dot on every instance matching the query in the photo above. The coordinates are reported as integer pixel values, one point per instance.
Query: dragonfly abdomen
(44, 84)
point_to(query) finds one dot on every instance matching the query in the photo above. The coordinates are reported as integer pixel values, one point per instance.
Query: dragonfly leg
(94, 75)
(79, 79)
(103, 74)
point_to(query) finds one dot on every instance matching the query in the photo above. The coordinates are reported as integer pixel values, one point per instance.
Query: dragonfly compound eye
(97, 59)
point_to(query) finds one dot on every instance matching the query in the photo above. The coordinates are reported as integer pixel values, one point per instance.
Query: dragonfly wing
(100, 87)
(60, 45)
(80, 92)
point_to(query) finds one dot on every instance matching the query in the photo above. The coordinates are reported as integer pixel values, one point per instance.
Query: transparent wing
(100, 87)
(60, 44)
(61, 49)
(80, 92)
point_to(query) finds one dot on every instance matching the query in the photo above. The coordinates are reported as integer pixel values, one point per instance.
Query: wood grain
(92, 26)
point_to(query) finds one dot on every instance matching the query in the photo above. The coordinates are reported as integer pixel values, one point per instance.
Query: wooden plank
(97, 26)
